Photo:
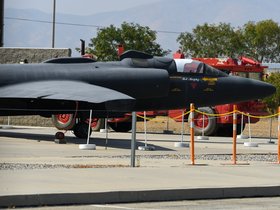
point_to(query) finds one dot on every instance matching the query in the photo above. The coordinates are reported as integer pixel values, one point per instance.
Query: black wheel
(227, 130)
(63, 121)
(81, 130)
(210, 124)
(121, 126)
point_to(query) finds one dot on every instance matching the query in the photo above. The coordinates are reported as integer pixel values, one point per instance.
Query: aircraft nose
(255, 89)
(238, 89)
(262, 89)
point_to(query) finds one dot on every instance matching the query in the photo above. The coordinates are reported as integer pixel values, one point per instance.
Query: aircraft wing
(65, 90)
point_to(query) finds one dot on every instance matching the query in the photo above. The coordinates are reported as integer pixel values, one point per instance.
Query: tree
(132, 36)
(210, 40)
(273, 101)
(262, 40)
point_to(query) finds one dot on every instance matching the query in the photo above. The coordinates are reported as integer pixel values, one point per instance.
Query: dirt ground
(263, 128)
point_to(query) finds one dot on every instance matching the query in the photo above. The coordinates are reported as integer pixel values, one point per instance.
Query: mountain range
(168, 18)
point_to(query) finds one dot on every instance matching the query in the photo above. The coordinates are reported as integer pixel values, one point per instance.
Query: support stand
(250, 143)
(88, 146)
(202, 137)
(241, 136)
(8, 126)
(146, 147)
(182, 144)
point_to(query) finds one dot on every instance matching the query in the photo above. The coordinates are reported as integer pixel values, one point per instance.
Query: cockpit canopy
(173, 66)
(190, 66)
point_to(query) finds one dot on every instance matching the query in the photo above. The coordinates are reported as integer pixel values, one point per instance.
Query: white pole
(89, 125)
(250, 143)
(241, 136)
(182, 130)
(145, 128)
(146, 147)
(106, 130)
(88, 146)
(181, 144)
(203, 125)
(202, 137)
(241, 131)
(270, 132)
(249, 121)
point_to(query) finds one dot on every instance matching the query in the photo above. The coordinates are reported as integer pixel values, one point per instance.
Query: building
(272, 67)
(31, 55)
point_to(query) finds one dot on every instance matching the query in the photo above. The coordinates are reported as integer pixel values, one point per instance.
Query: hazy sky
(76, 7)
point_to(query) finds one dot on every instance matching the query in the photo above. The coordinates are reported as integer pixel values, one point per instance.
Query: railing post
(234, 132)
(192, 132)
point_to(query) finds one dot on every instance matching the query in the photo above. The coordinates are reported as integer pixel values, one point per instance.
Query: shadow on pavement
(113, 143)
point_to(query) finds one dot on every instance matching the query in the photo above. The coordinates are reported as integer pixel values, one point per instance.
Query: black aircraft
(137, 82)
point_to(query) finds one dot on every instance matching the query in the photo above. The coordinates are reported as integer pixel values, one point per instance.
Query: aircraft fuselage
(153, 84)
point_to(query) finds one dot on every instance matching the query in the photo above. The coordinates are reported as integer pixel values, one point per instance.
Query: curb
(136, 196)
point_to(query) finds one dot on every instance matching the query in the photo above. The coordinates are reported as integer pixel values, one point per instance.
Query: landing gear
(63, 121)
(79, 126)
(80, 130)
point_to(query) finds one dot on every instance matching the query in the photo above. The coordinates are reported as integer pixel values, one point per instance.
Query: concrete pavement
(35, 171)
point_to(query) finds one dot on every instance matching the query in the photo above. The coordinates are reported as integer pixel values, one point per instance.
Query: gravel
(25, 166)
(220, 157)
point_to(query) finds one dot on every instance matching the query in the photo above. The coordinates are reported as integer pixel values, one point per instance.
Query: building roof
(272, 65)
